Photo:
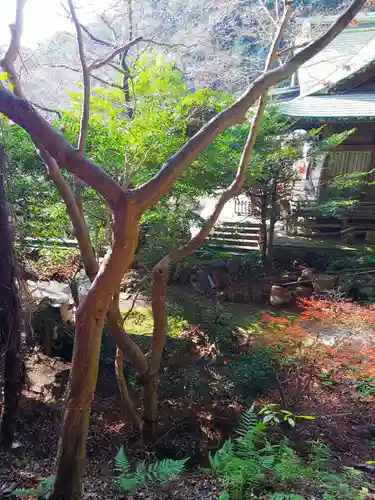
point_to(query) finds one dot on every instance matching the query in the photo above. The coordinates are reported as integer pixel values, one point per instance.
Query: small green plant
(365, 389)
(273, 414)
(254, 465)
(43, 490)
(129, 479)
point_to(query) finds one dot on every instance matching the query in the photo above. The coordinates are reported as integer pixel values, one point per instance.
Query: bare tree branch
(109, 26)
(99, 63)
(48, 110)
(64, 66)
(292, 48)
(93, 37)
(168, 45)
(157, 187)
(84, 125)
(265, 8)
(105, 82)
(101, 80)
(116, 67)
(10, 57)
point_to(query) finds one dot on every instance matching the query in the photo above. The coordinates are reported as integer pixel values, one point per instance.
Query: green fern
(247, 422)
(289, 467)
(319, 456)
(128, 480)
(251, 463)
(43, 490)
(122, 464)
(164, 470)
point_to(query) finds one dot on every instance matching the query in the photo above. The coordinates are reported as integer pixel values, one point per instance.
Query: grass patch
(140, 322)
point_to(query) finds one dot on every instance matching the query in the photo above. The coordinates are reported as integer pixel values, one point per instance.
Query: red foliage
(299, 348)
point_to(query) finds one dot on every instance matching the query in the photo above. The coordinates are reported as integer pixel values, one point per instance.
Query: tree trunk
(85, 363)
(128, 409)
(159, 337)
(10, 321)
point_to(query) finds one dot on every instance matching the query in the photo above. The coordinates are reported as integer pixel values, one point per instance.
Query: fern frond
(221, 457)
(122, 464)
(320, 455)
(43, 490)
(127, 484)
(164, 470)
(246, 422)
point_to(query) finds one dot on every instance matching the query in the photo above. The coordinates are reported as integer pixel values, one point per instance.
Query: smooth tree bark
(127, 206)
(10, 321)
(161, 270)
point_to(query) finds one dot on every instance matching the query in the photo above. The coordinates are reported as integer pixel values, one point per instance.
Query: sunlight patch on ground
(140, 322)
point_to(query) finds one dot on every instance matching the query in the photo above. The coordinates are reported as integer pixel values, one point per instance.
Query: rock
(324, 282)
(279, 296)
(307, 274)
(288, 278)
(302, 292)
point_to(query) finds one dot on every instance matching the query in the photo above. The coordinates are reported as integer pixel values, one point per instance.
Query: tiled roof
(348, 106)
(353, 49)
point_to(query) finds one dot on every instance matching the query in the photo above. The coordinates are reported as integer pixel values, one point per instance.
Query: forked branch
(119, 50)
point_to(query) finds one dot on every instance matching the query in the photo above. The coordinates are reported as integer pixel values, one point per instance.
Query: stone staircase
(234, 237)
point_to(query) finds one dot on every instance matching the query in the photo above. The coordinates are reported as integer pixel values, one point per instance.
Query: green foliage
(129, 150)
(273, 414)
(247, 421)
(129, 479)
(336, 207)
(365, 389)
(253, 463)
(36, 205)
(43, 490)
(355, 260)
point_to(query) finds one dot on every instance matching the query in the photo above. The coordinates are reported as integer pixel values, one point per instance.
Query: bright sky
(43, 18)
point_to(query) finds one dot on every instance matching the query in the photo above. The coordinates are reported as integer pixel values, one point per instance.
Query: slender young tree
(10, 320)
(127, 206)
